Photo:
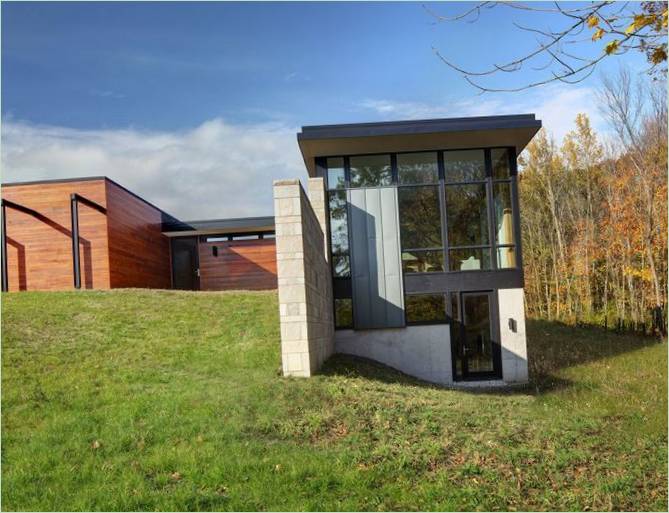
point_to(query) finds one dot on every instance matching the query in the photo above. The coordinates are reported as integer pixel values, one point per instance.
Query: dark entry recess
(185, 264)
(476, 350)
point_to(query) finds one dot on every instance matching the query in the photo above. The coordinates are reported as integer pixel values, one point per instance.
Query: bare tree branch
(619, 29)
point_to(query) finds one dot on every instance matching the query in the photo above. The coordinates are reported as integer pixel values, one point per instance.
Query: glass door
(476, 352)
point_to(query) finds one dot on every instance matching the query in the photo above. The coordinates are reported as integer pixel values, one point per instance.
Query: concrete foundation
(512, 335)
(420, 351)
(425, 351)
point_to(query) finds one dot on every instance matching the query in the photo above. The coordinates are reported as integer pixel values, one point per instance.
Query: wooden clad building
(124, 241)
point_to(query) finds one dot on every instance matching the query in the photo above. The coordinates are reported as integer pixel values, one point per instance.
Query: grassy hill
(149, 400)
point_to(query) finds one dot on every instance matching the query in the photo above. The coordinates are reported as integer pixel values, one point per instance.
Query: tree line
(594, 213)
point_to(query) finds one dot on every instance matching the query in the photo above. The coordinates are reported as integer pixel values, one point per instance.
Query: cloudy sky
(195, 107)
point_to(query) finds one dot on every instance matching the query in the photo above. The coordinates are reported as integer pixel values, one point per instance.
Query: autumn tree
(594, 220)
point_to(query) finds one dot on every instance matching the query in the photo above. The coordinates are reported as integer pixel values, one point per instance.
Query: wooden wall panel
(139, 253)
(240, 265)
(39, 249)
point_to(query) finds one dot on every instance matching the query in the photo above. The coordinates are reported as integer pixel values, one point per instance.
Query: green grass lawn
(143, 400)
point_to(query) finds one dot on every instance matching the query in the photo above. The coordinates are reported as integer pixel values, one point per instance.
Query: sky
(195, 106)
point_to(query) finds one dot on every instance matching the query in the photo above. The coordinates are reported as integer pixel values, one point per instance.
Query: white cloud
(219, 169)
(556, 106)
(215, 170)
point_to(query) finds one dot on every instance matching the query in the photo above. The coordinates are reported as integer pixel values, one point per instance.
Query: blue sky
(142, 90)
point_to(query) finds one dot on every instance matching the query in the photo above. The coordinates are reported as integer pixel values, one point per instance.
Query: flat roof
(219, 226)
(415, 135)
(171, 226)
(166, 218)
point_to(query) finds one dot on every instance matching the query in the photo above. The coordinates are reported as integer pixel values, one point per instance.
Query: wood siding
(139, 253)
(240, 265)
(39, 248)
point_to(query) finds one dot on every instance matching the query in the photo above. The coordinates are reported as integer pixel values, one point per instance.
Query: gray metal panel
(394, 293)
(358, 228)
(375, 254)
(378, 296)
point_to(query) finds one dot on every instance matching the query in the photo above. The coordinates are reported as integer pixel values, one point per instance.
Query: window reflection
(503, 213)
(343, 313)
(500, 163)
(336, 173)
(420, 217)
(506, 257)
(341, 266)
(338, 222)
(425, 309)
(467, 215)
(464, 166)
(423, 261)
(417, 168)
(469, 259)
(370, 171)
(420, 208)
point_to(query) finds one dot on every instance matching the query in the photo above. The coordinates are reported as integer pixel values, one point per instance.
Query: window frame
(441, 248)
(447, 319)
(321, 162)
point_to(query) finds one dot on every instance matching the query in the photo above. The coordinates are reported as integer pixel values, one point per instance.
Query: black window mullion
(516, 222)
(415, 250)
(472, 246)
(470, 182)
(322, 170)
(490, 208)
(442, 210)
(393, 169)
(440, 165)
(513, 162)
(347, 172)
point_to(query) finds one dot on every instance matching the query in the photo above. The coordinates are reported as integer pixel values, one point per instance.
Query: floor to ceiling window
(467, 210)
(503, 208)
(339, 246)
(420, 212)
(456, 213)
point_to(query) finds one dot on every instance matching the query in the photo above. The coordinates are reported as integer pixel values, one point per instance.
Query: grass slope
(144, 400)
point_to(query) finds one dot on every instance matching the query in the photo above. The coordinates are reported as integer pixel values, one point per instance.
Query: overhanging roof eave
(517, 136)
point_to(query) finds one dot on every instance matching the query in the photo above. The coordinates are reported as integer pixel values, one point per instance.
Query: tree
(615, 27)
(639, 118)
(594, 221)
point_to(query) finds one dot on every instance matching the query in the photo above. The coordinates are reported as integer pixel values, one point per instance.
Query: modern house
(405, 248)
(93, 233)
(422, 269)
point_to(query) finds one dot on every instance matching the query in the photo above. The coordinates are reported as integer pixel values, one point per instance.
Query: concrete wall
(425, 351)
(305, 287)
(420, 351)
(514, 345)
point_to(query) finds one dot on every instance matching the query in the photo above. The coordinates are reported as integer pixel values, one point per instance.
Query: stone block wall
(305, 288)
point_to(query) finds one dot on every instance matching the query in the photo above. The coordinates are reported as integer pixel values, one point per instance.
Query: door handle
(197, 272)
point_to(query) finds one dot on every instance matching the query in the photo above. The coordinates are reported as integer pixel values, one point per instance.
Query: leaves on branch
(598, 34)
(621, 27)
(612, 46)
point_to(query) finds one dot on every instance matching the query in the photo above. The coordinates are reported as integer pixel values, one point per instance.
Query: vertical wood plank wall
(39, 250)
(139, 254)
(240, 265)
